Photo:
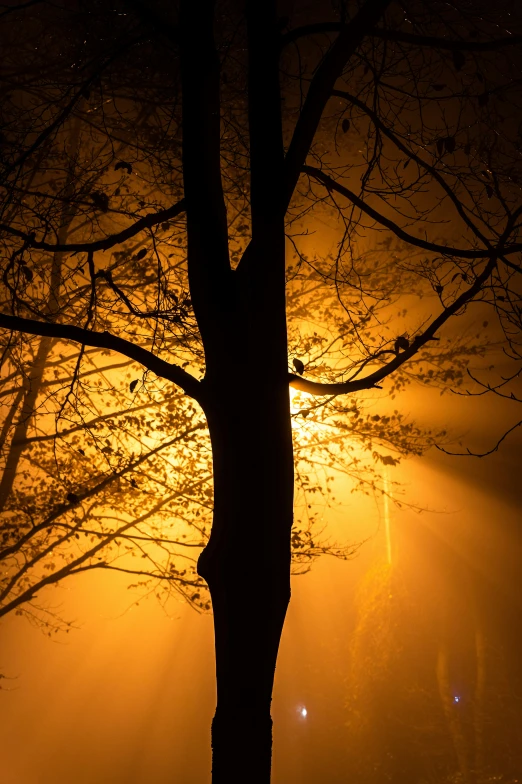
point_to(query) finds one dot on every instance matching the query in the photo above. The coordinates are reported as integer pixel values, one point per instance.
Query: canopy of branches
(403, 204)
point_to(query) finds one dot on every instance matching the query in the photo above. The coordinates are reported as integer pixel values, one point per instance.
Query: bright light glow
(456, 699)
(303, 712)
(300, 401)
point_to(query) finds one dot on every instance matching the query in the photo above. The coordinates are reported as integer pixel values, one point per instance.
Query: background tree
(427, 682)
(396, 122)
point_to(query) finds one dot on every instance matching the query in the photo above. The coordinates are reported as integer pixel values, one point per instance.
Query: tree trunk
(247, 567)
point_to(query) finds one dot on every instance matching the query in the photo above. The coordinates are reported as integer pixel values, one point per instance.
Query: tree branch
(378, 123)
(406, 38)
(447, 250)
(66, 111)
(322, 84)
(443, 43)
(147, 222)
(469, 453)
(85, 426)
(74, 565)
(318, 388)
(190, 385)
(62, 509)
(20, 7)
(158, 21)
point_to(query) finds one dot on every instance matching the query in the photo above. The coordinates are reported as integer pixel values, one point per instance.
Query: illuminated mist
(400, 655)
(416, 657)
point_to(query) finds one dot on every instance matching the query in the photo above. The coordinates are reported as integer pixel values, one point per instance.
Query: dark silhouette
(388, 121)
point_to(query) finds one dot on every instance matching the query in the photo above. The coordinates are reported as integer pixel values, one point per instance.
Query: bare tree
(397, 130)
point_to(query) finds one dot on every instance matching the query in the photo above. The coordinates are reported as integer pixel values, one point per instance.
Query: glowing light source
(303, 712)
(300, 401)
(456, 698)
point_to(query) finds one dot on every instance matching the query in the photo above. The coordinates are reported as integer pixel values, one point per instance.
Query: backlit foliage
(105, 466)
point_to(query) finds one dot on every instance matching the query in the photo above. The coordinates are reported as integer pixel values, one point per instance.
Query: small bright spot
(304, 712)
(456, 699)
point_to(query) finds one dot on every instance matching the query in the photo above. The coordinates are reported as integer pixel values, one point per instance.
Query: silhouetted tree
(392, 123)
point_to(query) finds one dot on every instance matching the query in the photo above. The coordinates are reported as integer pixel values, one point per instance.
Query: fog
(407, 671)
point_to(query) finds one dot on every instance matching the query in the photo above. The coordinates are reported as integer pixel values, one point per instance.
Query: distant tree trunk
(247, 567)
(28, 393)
